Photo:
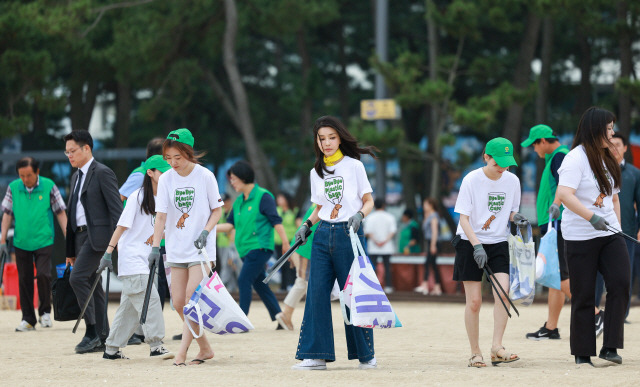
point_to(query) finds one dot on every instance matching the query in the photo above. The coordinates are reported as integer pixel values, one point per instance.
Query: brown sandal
(476, 364)
(506, 357)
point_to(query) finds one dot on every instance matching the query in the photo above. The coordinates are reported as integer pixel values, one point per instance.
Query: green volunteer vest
(405, 237)
(140, 169)
(305, 250)
(547, 190)
(222, 239)
(289, 224)
(253, 230)
(33, 215)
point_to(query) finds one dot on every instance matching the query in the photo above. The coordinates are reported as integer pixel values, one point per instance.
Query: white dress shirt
(81, 218)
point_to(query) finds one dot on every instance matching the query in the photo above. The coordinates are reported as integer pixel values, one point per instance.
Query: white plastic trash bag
(369, 307)
(522, 268)
(211, 307)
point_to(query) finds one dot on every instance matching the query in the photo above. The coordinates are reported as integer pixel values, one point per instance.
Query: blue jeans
(331, 258)
(252, 274)
(631, 248)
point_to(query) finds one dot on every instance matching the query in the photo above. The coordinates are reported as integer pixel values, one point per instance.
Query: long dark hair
(148, 205)
(592, 131)
(348, 143)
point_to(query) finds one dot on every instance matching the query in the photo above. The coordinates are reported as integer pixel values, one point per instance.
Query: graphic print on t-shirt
(150, 239)
(333, 191)
(599, 202)
(495, 203)
(183, 199)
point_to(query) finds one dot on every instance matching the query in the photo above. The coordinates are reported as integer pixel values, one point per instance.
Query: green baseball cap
(156, 162)
(501, 150)
(536, 133)
(182, 135)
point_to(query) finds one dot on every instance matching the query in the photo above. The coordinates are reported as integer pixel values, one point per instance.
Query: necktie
(74, 202)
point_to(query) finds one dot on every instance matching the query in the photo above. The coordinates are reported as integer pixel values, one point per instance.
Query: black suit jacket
(102, 206)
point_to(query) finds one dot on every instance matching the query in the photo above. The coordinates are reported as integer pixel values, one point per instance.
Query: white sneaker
(45, 320)
(162, 353)
(388, 289)
(369, 365)
(25, 327)
(310, 364)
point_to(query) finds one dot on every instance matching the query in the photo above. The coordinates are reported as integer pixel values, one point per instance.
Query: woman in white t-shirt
(341, 190)
(133, 237)
(489, 198)
(188, 204)
(589, 183)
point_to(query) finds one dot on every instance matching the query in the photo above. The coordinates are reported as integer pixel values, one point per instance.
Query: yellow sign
(379, 109)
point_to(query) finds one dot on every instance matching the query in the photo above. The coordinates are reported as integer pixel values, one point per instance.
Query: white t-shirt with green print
(488, 203)
(188, 201)
(340, 194)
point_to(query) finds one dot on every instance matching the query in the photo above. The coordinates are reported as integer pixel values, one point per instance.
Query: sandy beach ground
(431, 349)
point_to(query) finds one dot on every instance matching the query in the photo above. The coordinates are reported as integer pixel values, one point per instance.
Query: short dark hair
(154, 146)
(81, 137)
(243, 171)
(622, 137)
(378, 203)
(550, 140)
(28, 161)
(408, 213)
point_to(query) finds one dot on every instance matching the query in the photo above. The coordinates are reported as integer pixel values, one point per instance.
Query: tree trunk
(583, 100)
(304, 186)
(513, 122)
(255, 154)
(81, 103)
(122, 125)
(542, 99)
(624, 39)
(433, 164)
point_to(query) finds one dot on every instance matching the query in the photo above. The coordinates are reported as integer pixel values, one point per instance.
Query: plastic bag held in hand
(201, 242)
(354, 221)
(554, 211)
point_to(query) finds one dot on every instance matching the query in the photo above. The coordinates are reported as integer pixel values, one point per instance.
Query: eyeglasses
(69, 153)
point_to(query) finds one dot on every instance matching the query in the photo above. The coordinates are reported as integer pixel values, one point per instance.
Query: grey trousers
(127, 318)
(82, 277)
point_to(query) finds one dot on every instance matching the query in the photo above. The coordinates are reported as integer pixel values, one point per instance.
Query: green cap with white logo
(536, 133)
(501, 150)
(182, 135)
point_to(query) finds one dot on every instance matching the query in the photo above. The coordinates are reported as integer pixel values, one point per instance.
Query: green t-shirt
(288, 222)
(408, 232)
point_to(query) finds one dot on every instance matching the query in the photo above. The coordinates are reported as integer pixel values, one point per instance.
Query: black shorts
(465, 267)
(564, 267)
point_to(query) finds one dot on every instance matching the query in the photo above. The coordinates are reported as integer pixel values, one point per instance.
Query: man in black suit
(94, 209)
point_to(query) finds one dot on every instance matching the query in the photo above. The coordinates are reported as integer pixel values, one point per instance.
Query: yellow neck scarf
(333, 159)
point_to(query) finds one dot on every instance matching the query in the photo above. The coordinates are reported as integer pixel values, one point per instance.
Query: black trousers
(431, 262)
(82, 277)
(24, 264)
(386, 260)
(609, 256)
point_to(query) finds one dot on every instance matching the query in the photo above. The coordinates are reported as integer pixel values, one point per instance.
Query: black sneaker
(177, 337)
(599, 323)
(116, 356)
(135, 339)
(88, 344)
(162, 353)
(544, 334)
(610, 354)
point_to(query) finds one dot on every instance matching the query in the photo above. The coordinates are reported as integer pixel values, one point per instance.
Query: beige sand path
(431, 349)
